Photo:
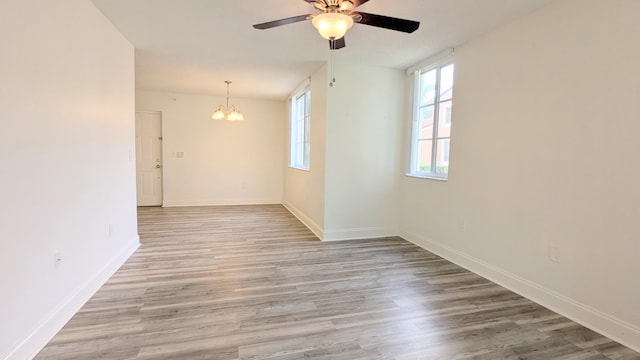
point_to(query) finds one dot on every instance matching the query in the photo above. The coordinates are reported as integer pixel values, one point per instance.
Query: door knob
(158, 166)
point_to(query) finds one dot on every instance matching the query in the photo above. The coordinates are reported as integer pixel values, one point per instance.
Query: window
(431, 134)
(299, 129)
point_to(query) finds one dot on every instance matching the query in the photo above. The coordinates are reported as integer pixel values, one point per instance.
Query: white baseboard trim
(310, 224)
(616, 329)
(358, 233)
(51, 325)
(220, 202)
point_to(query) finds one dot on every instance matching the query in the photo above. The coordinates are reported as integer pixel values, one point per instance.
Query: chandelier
(226, 112)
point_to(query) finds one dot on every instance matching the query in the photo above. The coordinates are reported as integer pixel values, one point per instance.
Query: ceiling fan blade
(291, 20)
(357, 3)
(337, 44)
(386, 22)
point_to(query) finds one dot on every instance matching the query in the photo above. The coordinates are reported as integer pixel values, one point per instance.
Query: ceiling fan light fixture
(332, 26)
(347, 5)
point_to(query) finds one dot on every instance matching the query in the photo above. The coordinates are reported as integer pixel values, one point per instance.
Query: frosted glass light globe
(332, 26)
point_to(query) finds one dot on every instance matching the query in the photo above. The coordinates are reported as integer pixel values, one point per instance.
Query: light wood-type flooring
(251, 282)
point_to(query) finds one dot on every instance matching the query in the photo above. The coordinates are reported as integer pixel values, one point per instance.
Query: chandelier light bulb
(218, 114)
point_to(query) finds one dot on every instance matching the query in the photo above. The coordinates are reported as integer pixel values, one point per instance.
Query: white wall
(224, 163)
(351, 190)
(66, 164)
(304, 190)
(544, 160)
(363, 142)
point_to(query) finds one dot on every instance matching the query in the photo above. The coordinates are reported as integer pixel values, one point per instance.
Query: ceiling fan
(338, 16)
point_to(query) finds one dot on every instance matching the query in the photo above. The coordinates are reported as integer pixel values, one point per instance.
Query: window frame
(300, 138)
(447, 116)
(414, 166)
(445, 144)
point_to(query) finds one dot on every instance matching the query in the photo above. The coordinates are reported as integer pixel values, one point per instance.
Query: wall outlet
(462, 226)
(110, 230)
(57, 259)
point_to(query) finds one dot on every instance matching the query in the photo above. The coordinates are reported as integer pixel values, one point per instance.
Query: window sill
(300, 168)
(428, 177)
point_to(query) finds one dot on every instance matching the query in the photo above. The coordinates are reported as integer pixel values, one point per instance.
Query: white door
(149, 158)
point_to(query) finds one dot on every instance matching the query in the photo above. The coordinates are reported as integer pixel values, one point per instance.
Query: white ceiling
(193, 46)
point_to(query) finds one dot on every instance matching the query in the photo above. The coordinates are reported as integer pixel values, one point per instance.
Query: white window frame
(414, 170)
(444, 155)
(447, 117)
(299, 128)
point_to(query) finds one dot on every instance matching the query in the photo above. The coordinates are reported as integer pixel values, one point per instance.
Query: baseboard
(51, 325)
(310, 224)
(220, 202)
(616, 329)
(358, 233)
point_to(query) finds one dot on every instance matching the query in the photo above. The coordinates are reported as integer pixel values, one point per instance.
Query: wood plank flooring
(251, 282)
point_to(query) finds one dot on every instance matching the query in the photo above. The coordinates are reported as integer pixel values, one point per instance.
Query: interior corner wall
(304, 190)
(224, 162)
(363, 150)
(67, 165)
(543, 192)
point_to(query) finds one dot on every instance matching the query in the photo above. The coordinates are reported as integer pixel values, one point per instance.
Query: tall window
(431, 134)
(299, 129)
